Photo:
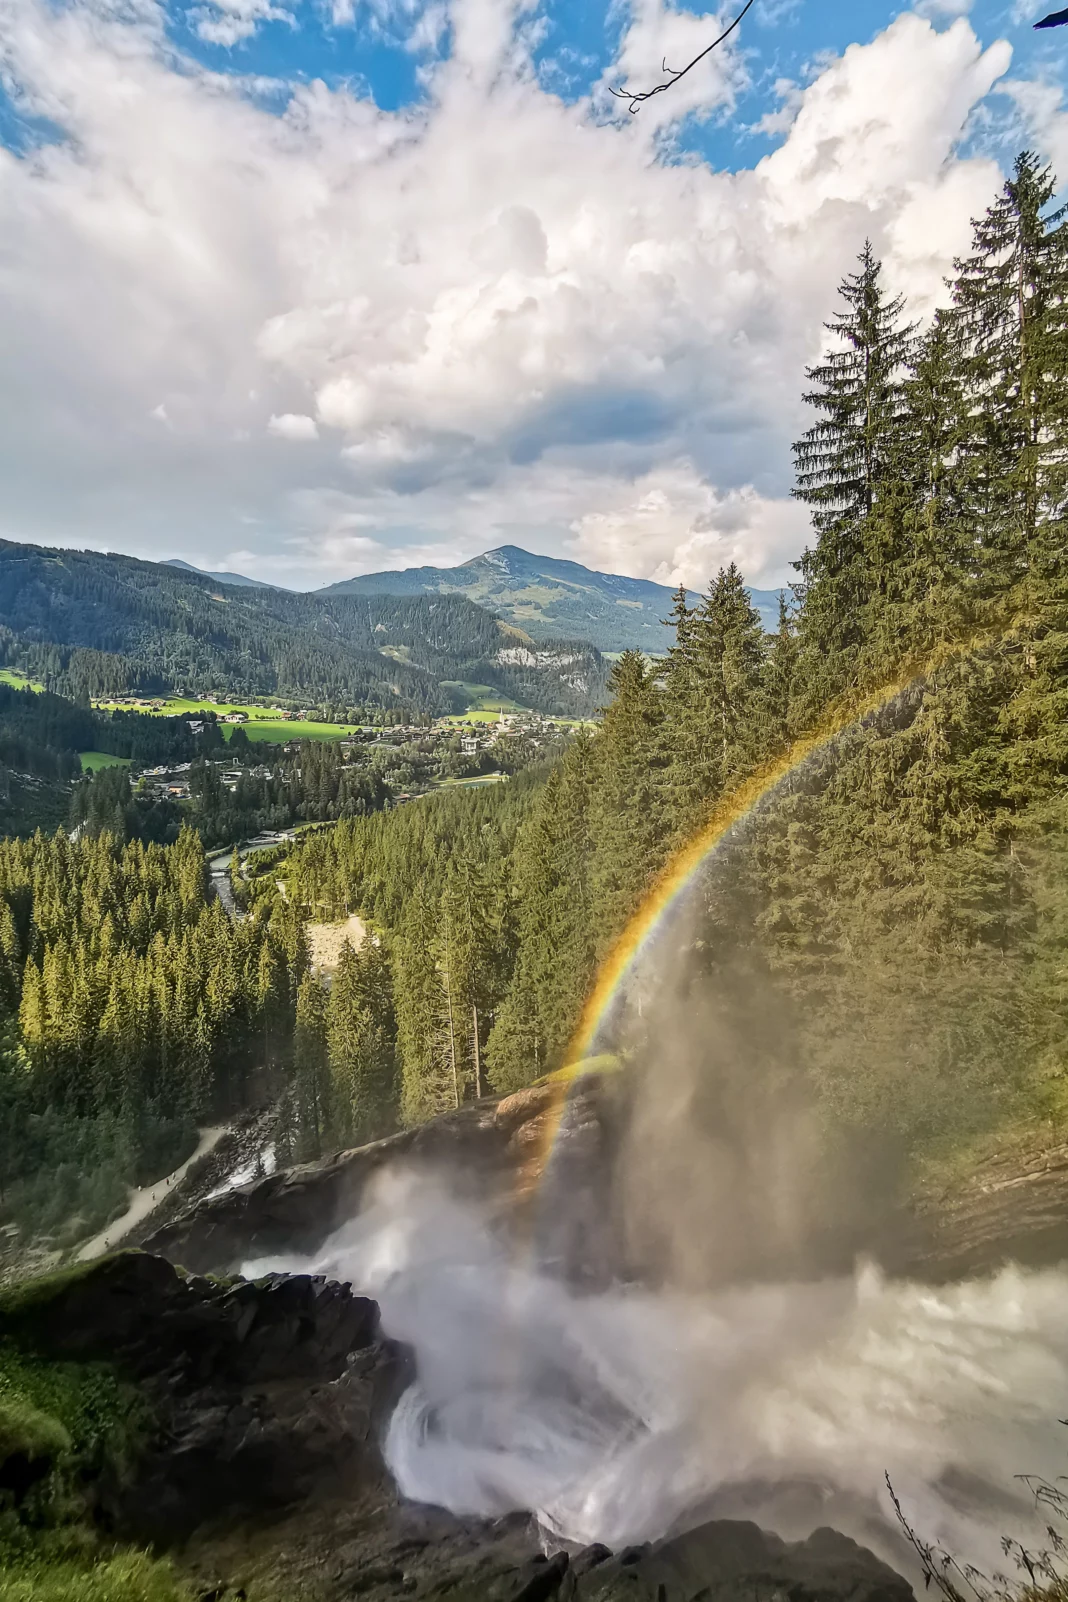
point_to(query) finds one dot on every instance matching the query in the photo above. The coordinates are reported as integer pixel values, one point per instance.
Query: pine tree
(729, 650)
(628, 818)
(422, 1040)
(360, 1041)
(557, 927)
(778, 682)
(10, 959)
(311, 1080)
(846, 460)
(1011, 298)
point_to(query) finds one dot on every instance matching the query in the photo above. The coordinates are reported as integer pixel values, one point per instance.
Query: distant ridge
(550, 598)
(219, 578)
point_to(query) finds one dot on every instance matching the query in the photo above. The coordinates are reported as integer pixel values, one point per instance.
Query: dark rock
(137, 1309)
(546, 1579)
(728, 1561)
(221, 1455)
(251, 1400)
(589, 1558)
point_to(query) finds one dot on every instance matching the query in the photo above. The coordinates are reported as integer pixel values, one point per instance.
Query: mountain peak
(550, 597)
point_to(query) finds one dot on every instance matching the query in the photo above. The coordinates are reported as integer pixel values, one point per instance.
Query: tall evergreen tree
(1011, 297)
(845, 461)
(311, 1079)
(629, 823)
(360, 1041)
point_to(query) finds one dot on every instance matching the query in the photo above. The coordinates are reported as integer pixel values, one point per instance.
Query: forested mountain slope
(547, 596)
(891, 929)
(237, 579)
(91, 624)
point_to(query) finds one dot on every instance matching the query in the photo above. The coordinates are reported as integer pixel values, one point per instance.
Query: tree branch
(637, 97)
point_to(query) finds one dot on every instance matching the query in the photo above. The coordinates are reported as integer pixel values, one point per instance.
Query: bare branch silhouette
(638, 97)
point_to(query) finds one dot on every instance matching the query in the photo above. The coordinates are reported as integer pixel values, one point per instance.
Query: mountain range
(548, 597)
(89, 624)
(545, 596)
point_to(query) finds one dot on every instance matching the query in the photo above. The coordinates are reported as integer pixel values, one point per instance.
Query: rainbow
(674, 879)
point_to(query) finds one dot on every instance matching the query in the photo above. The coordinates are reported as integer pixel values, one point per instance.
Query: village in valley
(481, 745)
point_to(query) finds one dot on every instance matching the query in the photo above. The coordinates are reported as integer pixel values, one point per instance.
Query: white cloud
(939, 10)
(1041, 110)
(227, 22)
(790, 96)
(674, 527)
(521, 323)
(292, 425)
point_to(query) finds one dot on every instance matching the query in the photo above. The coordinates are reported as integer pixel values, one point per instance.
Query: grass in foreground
(71, 1421)
(52, 1571)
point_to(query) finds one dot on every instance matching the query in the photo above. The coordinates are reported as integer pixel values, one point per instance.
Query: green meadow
(262, 723)
(280, 730)
(484, 703)
(93, 761)
(19, 681)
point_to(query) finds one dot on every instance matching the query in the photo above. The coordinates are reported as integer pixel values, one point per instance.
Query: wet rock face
(1012, 1208)
(726, 1561)
(226, 1453)
(425, 1554)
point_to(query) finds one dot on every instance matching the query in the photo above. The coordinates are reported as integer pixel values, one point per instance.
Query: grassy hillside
(547, 597)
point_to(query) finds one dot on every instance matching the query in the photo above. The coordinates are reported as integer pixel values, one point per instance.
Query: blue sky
(305, 289)
(783, 41)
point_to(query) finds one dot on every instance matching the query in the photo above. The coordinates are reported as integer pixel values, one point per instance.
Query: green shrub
(84, 1403)
(28, 1432)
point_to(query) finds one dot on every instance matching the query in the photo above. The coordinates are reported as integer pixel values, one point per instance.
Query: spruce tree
(778, 682)
(845, 460)
(729, 651)
(1011, 298)
(629, 821)
(360, 1037)
(558, 926)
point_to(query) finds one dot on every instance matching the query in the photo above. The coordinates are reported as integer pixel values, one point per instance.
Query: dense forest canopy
(92, 625)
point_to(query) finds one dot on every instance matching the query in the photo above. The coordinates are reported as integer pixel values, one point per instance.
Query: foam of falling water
(619, 1415)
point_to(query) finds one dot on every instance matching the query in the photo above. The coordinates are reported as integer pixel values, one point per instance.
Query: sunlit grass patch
(93, 761)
